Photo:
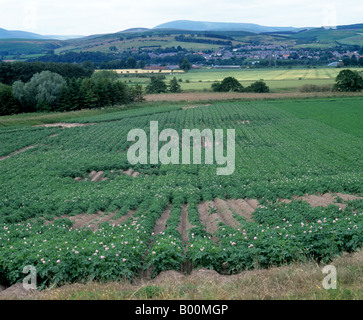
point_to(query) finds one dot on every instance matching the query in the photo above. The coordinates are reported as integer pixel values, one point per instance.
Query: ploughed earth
(210, 212)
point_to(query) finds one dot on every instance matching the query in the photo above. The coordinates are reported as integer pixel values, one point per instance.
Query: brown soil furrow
(225, 213)
(98, 176)
(241, 207)
(253, 203)
(183, 228)
(316, 201)
(105, 218)
(122, 219)
(209, 220)
(287, 201)
(184, 225)
(65, 125)
(17, 152)
(92, 174)
(83, 220)
(160, 225)
(347, 197)
(129, 172)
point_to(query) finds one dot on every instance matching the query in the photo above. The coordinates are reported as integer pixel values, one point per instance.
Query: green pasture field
(279, 80)
(282, 149)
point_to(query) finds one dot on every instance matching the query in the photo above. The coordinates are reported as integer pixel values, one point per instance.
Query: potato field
(73, 206)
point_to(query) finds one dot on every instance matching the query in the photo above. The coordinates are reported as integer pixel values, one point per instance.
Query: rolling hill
(221, 26)
(198, 36)
(17, 34)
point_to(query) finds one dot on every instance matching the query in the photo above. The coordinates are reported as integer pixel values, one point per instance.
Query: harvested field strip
(241, 208)
(17, 152)
(326, 199)
(105, 218)
(124, 218)
(160, 225)
(96, 176)
(184, 224)
(64, 125)
(92, 221)
(225, 213)
(84, 219)
(209, 217)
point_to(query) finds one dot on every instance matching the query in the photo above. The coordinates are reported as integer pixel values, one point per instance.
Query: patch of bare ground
(93, 221)
(17, 152)
(208, 96)
(123, 218)
(184, 225)
(225, 213)
(160, 224)
(104, 218)
(96, 176)
(209, 217)
(348, 197)
(64, 125)
(17, 291)
(192, 107)
(326, 199)
(84, 219)
(131, 172)
(183, 228)
(241, 208)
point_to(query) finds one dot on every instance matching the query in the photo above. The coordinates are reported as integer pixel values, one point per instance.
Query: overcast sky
(85, 17)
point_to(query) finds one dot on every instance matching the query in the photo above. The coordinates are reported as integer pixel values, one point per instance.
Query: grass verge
(299, 281)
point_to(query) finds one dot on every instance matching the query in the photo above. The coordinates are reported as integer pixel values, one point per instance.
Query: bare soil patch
(17, 152)
(160, 225)
(225, 213)
(105, 218)
(209, 217)
(184, 225)
(84, 219)
(17, 291)
(241, 207)
(192, 107)
(326, 199)
(124, 218)
(96, 176)
(64, 125)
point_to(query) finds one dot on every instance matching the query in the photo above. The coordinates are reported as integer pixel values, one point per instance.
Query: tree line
(50, 91)
(231, 84)
(11, 72)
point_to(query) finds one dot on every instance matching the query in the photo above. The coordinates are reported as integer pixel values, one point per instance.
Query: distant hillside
(220, 26)
(135, 30)
(17, 34)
